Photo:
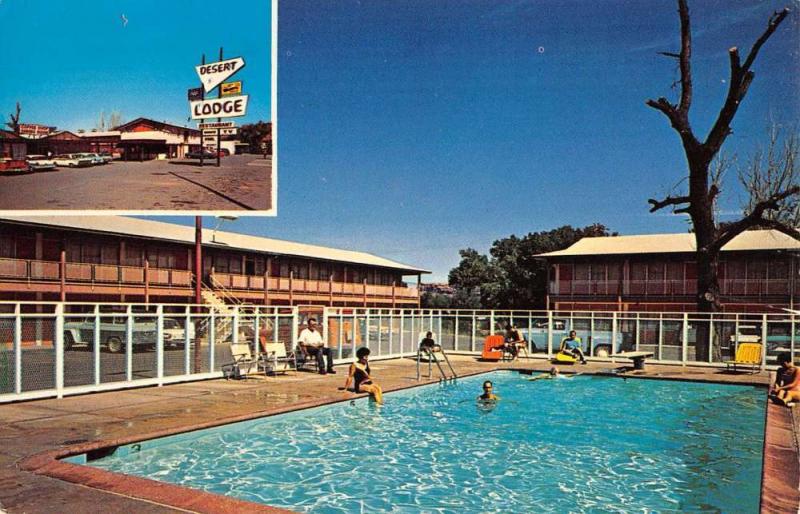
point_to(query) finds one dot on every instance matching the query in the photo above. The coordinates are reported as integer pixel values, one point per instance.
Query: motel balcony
(731, 287)
(65, 279)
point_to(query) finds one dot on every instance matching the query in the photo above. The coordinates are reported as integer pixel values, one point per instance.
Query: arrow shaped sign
(215, 73)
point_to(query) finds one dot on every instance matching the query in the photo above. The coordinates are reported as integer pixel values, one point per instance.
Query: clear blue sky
(412, 129)
(66, 61)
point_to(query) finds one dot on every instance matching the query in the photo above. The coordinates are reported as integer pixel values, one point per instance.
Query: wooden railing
(731, 287)
(92, 273)
(302, 285)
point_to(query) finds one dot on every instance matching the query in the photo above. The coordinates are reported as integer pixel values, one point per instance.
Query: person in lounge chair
(488, 395)
(428, 344)
(572, 346)
(786, 389)
(311, 344)
(360, 378)
(514, 341)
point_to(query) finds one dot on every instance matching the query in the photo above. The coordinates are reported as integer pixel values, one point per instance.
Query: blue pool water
(585, 444)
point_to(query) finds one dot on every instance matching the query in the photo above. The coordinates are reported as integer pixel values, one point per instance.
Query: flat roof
(123, 225)
(750, 240)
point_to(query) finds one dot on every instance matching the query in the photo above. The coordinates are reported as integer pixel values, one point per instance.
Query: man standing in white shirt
(311, 343)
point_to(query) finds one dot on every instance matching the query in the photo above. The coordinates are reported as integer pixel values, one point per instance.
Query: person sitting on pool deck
(514, 341)
(572, 345)
(428, 344)
(360, 378)
(310, 342)
(488, 395)
(789, 391)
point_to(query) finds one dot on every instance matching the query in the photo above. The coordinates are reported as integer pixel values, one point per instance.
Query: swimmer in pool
(488, 395)
(553, 373)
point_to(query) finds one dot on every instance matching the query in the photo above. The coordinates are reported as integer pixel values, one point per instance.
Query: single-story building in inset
(758, 272)
(145, 139)
(12, 146)
(56, 143)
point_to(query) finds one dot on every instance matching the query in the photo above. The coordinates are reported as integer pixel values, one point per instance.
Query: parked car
(778, 340)
(40, 162)
(107, 157)
(196, 154)
(80, 332)
(601, 340)
(9, 165)
(72, 160)
(96, 159)
(174, 333)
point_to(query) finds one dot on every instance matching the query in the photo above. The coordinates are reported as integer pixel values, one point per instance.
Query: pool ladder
(431, 354)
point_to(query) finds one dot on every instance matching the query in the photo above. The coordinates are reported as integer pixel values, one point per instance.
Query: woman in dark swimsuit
(360, 378)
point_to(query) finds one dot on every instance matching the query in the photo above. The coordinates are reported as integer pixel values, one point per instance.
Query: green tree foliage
(511, 277)
(253, 134)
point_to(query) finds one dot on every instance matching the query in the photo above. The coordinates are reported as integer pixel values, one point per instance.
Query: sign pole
(219, 95)
(202, 145)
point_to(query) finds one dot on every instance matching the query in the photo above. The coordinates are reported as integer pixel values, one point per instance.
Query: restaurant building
(120, 259)
(12, 146)
(758, 272)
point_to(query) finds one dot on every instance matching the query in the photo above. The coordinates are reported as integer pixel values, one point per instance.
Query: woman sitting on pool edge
(360, 378)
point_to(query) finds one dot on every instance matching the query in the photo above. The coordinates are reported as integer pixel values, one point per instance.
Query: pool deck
(33, 434)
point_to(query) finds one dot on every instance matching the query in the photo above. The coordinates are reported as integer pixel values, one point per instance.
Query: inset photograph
(140, 106)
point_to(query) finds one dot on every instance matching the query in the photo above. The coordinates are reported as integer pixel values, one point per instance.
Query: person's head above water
(785, 360)
(362, 353)
(487, 387)
(554, 371)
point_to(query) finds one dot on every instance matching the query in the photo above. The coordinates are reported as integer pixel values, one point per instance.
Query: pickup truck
(776, 342)
(113, 333)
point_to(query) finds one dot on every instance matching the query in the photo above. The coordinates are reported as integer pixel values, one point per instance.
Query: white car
(72, 160)
(96, 159)
(40, 162)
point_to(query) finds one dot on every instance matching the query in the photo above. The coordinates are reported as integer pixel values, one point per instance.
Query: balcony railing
(730, 287)
(302, 285)
(92, 273)
(33, 270)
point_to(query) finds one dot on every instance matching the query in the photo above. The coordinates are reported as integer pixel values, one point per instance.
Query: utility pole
(202, 146)
(219, 95)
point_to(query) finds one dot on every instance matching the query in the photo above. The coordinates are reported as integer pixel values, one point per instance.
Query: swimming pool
(581, 444)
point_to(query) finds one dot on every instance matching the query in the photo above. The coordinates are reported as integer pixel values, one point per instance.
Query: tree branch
(685, 58)
(756, 218)
(670, 200)
(740, 80)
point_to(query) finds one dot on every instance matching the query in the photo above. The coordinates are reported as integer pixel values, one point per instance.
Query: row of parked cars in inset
(67, 160)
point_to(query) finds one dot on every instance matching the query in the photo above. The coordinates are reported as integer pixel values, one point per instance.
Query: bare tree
(114, 120)
(101, 122)
(14, 123)
(703, 183)
(771, 171)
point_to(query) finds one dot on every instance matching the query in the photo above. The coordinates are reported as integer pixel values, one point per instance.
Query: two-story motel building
(122, 259)
(758, 272)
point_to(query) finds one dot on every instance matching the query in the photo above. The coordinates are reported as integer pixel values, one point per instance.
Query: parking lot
(242, 182)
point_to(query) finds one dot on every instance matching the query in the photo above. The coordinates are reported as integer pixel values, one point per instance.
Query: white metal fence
(57, 349)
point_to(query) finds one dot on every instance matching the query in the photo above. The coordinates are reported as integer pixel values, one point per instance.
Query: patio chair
(274, 357)
(493, 348)
(304, 359)
(747, 354)
(243, 361)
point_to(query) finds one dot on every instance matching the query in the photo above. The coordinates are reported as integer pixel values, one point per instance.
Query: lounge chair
(243, 361)
(493, 348)
(747, 354)
(274, 357)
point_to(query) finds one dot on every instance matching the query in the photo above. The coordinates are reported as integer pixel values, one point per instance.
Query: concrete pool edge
(49, 463)
(774, 483)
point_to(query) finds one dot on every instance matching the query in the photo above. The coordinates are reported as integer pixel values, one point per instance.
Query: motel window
(6, 247)
(564, 272)
(220, 264)
(582, 271)
(757, 269)
(324, 271)
(235, 265)
(598, 272)
(675, 271)
(357, 276)
(735, 270)
(300, 269)
(338, 274)
(133, 256)
(259, 266)
(614, 271)
(313, 271)
(51, 250)
(284, 269)
(73, 252)
(779, 269)
(638, 271)
(91, 253)
(691, 270)
(109, 254)
(655, 271)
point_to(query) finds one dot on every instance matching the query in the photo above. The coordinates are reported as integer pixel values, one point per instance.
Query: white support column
(160, 344)
(441, 334)
(367, 325)
(295, 322)
(96, 347)
(187, 342)
(402, 330)
(491, 322)
(549, 334)
(59, 349)
(474, 330)
(685, 338)
(235, 326)
(18, 349)
(355, 321)
(129, 344)
(763, 340)
(591, 334)
(341, 335)
(530, 333)
(792, 336)
(455, 332)
(614, 335)
(710, 339)
(637, 332)
(391, 330)
(212, 339)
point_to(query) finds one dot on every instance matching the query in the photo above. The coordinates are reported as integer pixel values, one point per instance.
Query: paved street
(243, 182)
